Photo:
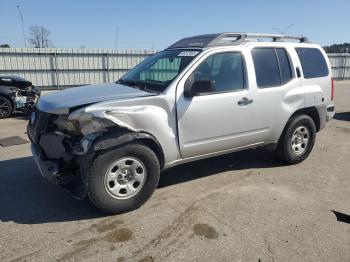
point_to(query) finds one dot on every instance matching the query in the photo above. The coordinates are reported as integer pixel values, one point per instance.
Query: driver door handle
(245, 101)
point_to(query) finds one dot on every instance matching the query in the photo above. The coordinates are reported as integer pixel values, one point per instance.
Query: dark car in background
(16, 95)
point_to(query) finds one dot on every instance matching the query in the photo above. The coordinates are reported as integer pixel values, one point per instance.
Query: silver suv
(203, 96)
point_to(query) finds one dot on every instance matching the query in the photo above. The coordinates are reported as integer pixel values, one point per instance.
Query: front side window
(312, 62)
(272, 66)
(159, 70)
(226, 70)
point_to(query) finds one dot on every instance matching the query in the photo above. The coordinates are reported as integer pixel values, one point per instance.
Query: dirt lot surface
(239, 207)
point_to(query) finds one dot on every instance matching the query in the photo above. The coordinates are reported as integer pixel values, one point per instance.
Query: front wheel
(123, 179)
(297, 140)
(6, 108)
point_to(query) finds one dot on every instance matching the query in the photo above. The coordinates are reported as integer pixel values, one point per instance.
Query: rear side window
(285, 67)
(312, 62)
(272, 66)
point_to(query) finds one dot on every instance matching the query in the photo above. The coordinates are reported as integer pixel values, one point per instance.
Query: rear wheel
(6, 108)
(123, 179)
(297, 140)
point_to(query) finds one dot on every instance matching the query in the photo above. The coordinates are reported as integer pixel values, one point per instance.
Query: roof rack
(224, 39)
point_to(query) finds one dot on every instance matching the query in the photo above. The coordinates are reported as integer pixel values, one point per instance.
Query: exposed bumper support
(51, 171)
(48, 169)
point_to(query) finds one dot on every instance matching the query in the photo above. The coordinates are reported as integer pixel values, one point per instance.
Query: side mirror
(198, 87)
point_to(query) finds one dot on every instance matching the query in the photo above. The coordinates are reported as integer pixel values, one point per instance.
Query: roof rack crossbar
(276, 38)
(242, 37)
(225, 39)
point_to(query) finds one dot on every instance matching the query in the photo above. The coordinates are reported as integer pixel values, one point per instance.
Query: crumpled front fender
(151, 118)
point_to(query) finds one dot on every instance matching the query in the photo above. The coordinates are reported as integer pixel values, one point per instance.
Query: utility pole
(21, 16)
(116, 37)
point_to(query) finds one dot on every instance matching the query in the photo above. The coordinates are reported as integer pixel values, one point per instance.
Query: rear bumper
(325, 113)
(330, 112)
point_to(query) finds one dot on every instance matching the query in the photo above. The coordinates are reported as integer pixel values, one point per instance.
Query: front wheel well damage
(113, 140)
(156, 148)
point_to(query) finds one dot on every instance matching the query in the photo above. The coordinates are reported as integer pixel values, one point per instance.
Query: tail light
(332, 94)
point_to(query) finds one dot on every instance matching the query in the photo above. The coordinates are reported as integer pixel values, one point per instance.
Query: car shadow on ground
(344, 116)
(26, 198)
(341, 217)
(247, 159)
(21, 115)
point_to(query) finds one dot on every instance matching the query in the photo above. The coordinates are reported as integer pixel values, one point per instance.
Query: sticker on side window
(188, 53)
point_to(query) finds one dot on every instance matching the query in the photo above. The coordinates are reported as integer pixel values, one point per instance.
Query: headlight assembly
(87, 124)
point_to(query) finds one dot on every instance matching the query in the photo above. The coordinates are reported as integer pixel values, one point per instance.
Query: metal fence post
(344, 64)
(107, 68)
(56, 69)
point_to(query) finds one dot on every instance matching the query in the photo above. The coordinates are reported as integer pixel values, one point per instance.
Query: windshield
(156, 72)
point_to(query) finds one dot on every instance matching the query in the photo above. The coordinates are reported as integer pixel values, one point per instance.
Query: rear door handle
(245, 101)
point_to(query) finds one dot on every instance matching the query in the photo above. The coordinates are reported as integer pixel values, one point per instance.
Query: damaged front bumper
(56, 171)
(48, 169)
(64, 159)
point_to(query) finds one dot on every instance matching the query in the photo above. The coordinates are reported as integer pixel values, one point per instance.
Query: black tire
(97, 191)
(6, 107)
(285, 151)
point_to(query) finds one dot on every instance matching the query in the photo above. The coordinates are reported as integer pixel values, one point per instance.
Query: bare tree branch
(39, 36)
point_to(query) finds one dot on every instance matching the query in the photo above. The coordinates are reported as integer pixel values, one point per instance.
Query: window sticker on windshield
(188, 53)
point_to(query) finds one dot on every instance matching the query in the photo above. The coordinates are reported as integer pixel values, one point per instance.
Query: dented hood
(60, 102)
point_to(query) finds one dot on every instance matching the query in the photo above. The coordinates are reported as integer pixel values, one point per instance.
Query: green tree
(338, 48)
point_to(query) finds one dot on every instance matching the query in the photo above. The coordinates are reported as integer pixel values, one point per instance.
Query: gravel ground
(239, 207)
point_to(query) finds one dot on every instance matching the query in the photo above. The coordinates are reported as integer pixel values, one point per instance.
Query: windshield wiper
(138, 84)
(128, 83)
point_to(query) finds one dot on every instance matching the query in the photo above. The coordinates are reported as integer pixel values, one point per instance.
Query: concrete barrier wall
(56, 68)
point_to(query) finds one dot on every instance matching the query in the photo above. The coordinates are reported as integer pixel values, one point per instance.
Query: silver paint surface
(59, 102)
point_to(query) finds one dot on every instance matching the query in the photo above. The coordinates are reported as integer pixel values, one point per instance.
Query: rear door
(277, 88)
(219, 120)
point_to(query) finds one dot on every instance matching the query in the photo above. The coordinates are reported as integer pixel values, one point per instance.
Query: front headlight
(87, 124)
(64, 124)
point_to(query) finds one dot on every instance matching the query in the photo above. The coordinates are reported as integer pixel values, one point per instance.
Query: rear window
(312, 62)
